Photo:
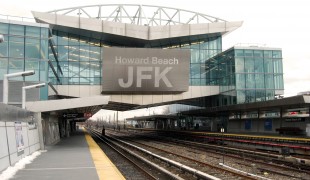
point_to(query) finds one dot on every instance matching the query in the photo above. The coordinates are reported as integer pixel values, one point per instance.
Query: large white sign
(145, 70)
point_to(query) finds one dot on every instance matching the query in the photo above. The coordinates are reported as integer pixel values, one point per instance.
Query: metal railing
(17, 18)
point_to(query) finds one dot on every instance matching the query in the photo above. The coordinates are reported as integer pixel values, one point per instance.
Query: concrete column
(38, 120)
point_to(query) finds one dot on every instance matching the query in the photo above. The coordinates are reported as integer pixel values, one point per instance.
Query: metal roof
(289, 102)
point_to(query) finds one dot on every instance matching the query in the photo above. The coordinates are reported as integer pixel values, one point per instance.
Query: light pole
(222, 131)
(6, 83)
(24, 92)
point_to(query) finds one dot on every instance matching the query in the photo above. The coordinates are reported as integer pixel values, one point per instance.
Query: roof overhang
(118, 33)
(289, 102)
(152, 117)
(67, 104)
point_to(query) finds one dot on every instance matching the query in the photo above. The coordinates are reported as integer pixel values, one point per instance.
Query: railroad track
(283, 172)
(189, 170)
(175, 170)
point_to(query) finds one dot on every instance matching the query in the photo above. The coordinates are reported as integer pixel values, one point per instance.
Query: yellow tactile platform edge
(105, 168)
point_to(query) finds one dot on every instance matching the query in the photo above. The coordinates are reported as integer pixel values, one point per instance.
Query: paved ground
(69, 159)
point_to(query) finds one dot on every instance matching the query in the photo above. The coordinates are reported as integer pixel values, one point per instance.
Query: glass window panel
(268, 65)
(4, 28)
(204, 45)
(270, 95)
(74, 80)
(260, 81)
(277, 66)
(194, 46)
(84, 53)
(194, 55)
(74, 40)
(16, 65)
(16, 30)
(240, 97)
(32, 31)
(62, 53)
(250, 96)
(203, 56)
(44, 49)
(32, 48)
(195, 70)
(64, 80)
(17, 47)
(64, 68)
(86, 80)
(203, 81)
(250, 81)
(278, 82)
(258, 53)
(95, 69)
(32, 65)
(74, 69)
(195, 82)
(239, 65)
(240, 81)
(3, 67)
(43, 70)
(203, 70)
(239, 53)
(276, 54)
(62, 38)
(259, 65)
(269, 81)
(84, 69)
(260, 95)
(74, 53)
(267, 54)
(248, 53)
(51, 73)
(50, 54)
(249, 65)
(4, 47)
(96, 81)
(44, 32)
(94, 53)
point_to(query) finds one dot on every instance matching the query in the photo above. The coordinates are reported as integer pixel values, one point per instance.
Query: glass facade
(243, 74)
(248, 75)
(25, 48)
(78, 58)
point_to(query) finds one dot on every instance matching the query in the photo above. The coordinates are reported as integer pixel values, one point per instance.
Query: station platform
(77, 157)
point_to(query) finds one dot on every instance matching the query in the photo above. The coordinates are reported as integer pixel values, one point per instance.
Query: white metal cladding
(106, 29)
(146, 15)
(138, 99)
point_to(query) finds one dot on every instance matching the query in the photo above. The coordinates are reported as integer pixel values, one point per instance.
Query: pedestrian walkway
(76, 157)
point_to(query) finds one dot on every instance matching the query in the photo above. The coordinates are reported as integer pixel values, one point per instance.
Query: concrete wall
(8, 151)
(50, 126)
(10, 116)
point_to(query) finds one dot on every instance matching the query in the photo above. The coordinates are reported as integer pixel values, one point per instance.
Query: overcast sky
(282, 24)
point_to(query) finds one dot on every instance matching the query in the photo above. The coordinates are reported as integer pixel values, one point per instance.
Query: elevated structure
(77, 30)
(135, 56)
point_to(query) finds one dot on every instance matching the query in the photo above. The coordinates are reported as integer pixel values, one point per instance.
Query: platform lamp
(6, 83)
(24, 92)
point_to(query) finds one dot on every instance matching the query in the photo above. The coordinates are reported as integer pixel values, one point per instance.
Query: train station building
(125, 57)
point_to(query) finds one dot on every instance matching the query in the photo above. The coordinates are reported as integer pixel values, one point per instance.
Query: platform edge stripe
(104, 166)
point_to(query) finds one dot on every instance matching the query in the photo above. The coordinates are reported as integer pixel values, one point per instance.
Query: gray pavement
(68, 159)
